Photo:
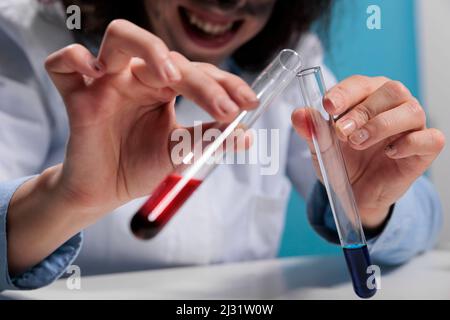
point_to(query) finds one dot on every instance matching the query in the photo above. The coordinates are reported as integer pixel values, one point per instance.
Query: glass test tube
(335, 179)
(178, 186)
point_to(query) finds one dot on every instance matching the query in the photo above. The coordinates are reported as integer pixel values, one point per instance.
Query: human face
(207, 30)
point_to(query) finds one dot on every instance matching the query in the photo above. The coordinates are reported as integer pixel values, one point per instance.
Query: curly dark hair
(289, 20)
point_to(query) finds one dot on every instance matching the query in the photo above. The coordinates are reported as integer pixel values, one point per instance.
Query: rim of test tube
(285, 64)
(308, 71)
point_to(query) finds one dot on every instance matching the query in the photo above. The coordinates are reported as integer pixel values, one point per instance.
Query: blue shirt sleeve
(413, 226)
(45, 272)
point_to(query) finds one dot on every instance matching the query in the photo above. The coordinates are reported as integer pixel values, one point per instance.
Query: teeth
(213, 29)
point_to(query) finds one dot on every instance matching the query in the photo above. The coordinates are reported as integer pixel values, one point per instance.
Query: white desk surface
(426, 277)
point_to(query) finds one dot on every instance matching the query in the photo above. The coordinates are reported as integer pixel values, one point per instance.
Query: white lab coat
(237, 214)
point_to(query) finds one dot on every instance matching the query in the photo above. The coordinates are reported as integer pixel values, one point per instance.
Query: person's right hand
(121, 112)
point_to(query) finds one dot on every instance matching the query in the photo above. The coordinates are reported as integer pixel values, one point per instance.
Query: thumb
(302, 123)
(239, 140)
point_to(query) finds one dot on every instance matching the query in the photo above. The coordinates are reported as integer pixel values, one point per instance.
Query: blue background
(354, 49)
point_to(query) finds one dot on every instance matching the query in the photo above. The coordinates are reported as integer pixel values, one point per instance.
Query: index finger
(124, 40)
(351, 92)
(205, 91)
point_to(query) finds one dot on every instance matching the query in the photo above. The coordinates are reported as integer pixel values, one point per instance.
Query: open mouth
(207, 31)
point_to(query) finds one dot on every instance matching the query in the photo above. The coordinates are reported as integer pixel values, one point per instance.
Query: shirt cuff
(46, 271)
(412, 228)
(320, 215)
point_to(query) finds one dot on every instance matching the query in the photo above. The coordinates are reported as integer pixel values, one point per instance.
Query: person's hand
(384, 139)
(121, 112)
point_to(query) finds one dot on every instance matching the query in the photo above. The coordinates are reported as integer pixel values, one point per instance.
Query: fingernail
(359, 136)
(247, 94)
(347, 127)
(172, 73)
(228, 106)
(332, 102)
(97, 65)
(390, 150)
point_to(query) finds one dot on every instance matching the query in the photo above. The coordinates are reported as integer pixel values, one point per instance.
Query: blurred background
(413, 47)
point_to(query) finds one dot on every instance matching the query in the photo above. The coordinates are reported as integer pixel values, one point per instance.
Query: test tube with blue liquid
(336, 181)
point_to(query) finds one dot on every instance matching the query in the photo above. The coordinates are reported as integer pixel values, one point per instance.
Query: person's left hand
(384, 139)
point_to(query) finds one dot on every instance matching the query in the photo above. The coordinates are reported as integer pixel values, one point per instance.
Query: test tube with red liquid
(178, 186)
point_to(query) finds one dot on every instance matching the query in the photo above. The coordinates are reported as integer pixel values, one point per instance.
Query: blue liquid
(358, 259)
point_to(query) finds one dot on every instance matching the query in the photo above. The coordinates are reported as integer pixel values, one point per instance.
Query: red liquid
(145, 229)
